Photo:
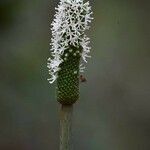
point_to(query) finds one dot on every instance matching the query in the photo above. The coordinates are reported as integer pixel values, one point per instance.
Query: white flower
(71, 20)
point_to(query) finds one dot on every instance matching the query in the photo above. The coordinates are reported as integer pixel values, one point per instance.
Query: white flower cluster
(71, 20)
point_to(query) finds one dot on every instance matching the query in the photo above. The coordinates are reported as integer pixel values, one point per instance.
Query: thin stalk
(66, 112)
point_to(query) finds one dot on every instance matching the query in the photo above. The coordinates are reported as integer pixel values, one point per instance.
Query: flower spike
(69, 45)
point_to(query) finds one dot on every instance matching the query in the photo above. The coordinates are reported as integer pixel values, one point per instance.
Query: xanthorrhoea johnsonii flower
(69, 47)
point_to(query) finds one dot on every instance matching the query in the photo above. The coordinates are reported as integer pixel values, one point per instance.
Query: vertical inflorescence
(69, 45)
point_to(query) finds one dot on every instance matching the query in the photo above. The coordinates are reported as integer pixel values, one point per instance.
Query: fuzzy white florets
(71, 20)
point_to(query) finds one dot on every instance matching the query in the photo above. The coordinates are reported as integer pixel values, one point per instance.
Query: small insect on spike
(82, 78)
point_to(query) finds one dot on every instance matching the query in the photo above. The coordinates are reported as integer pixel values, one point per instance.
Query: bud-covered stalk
(68, 77)
(69, 48)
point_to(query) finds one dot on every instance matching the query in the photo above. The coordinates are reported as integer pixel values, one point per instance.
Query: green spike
(68, 77)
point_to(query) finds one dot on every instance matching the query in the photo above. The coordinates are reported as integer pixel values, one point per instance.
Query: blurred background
(113, 112)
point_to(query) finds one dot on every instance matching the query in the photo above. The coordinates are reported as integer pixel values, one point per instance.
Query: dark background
(113, 112)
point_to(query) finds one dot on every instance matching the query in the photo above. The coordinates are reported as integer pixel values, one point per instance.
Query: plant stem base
(66, 112)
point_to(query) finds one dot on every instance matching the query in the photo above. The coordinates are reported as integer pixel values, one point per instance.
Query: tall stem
(65, 127)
